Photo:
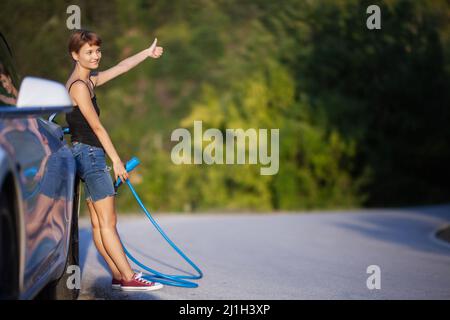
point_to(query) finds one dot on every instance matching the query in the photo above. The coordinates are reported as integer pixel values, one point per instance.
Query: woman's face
(6, 83)
(89, 56)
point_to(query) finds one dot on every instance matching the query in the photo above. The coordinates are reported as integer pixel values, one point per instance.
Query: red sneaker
(138, 283)
(116, 284)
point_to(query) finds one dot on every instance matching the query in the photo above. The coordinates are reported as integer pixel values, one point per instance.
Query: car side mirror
(41, 93)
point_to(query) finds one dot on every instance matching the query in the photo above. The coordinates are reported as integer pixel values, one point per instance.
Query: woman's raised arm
(129, 63)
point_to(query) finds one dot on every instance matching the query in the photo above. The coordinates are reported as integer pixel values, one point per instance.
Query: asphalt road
(285, 256)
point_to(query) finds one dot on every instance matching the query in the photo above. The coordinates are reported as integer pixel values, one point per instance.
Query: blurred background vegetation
(363, 115)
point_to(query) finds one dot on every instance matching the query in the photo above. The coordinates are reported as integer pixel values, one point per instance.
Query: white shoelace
(139, 278)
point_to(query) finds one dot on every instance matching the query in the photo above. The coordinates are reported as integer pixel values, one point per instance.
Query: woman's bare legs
(106, 238)
(99, 243)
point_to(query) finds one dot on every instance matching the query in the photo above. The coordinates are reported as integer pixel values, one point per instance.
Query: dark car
(39, 189)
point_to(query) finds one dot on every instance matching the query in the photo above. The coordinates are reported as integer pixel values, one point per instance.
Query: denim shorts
(93, 171)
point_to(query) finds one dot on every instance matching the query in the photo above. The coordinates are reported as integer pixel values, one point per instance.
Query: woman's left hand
(155, 52)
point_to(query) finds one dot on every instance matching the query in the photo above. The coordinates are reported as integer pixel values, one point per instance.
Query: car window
(9, 81)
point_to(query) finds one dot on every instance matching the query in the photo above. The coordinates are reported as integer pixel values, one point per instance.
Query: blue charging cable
(155, 276)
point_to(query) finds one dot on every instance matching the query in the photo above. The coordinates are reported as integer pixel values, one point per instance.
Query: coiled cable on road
(155, 276)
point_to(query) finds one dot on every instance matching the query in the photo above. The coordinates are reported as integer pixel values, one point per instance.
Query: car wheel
(9, 266)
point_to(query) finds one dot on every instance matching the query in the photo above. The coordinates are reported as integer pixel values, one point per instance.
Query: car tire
(59, 290)
(9, 254)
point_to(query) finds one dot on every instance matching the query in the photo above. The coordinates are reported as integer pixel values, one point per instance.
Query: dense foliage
(363, 114)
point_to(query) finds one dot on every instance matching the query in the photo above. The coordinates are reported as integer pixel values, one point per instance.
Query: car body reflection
(46, 172)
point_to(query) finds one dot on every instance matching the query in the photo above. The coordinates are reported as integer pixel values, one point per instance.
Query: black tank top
(80, 129)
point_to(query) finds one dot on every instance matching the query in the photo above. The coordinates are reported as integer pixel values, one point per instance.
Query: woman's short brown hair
(80, 37)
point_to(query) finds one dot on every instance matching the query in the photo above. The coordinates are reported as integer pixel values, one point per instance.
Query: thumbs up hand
(155, 52)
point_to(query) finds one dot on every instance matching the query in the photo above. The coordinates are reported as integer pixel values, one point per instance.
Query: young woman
(90, 143)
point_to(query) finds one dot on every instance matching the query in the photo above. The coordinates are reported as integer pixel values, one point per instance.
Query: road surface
(324, 255)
